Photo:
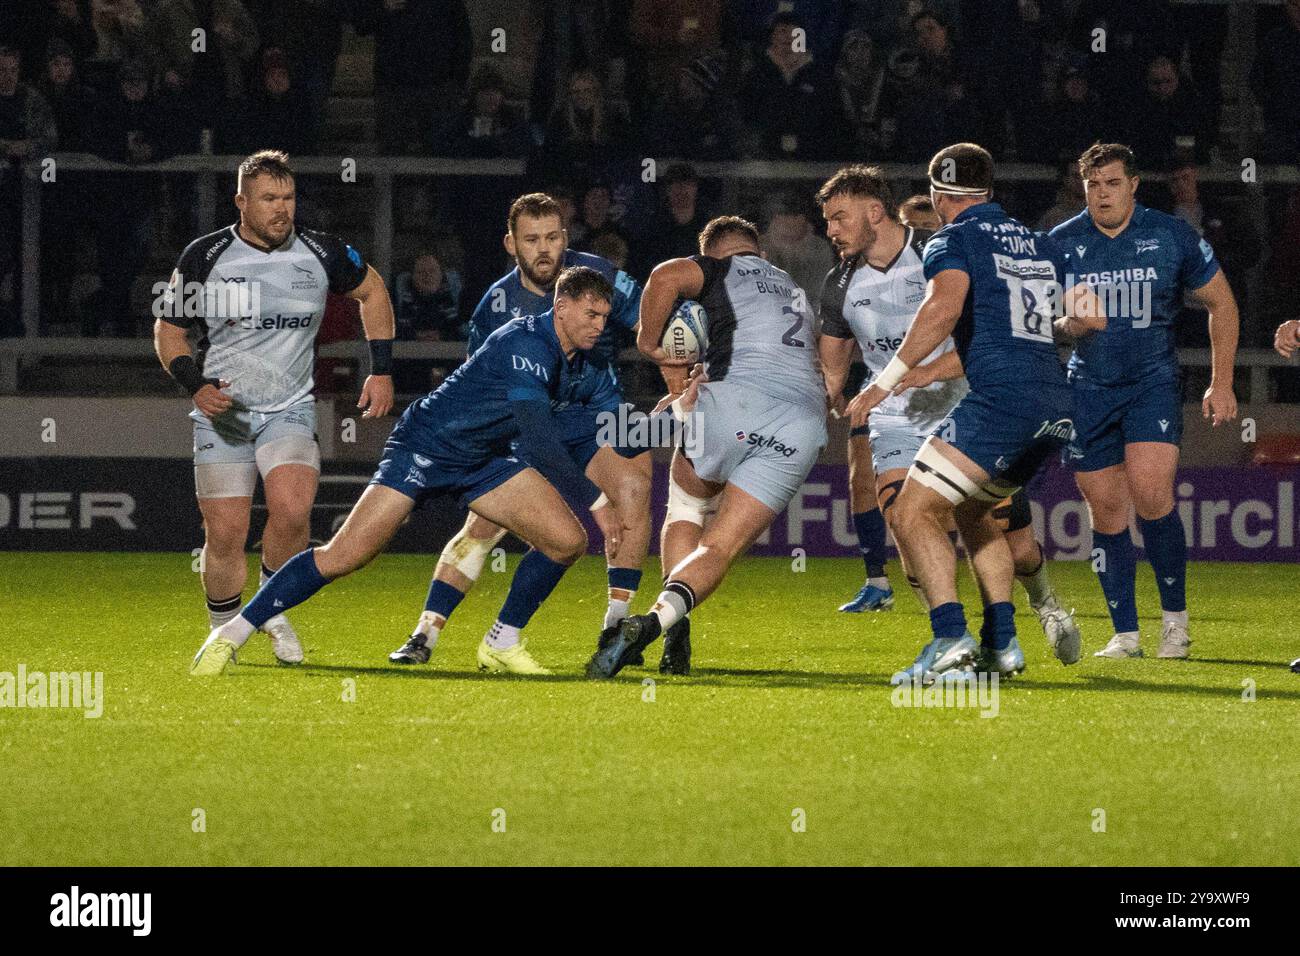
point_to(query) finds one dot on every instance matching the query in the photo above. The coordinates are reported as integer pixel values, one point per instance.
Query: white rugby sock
(1176, 617)
(669, 608)
(882, 583)
(219, 612)
(618, 608)
(430, 625)
(237, 630)
(1039, 587)
(502, 636)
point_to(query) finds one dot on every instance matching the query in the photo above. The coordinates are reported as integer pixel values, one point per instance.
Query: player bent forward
(457, 441)
(755, 427)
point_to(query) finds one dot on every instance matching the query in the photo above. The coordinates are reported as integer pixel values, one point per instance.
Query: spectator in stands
(595, 218)
(1073, 120)
(1275, 79)
(792, 244)
(121, 33)
(788, 98)
(1168, 118)
(670, 34)
(28, 27)
(613, 247)
(275, 116)
(821, 20)
(918, 212)
(695, 119)
(27, 131)
(184, 119)
(584, 133)
(422, 57)
(677, 223)
(427, 301)
(860, 80)
(487, 127)
(1069, 199)
(311, 34)
(215, 75)
(128, 128)
(889, 22)
(69, 99)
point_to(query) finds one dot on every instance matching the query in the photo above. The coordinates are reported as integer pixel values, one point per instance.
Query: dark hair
(1103, 154)
(268, 162)
(722, 226)
(535, 206)
(578, 281)
(963, 165)
(860, 180)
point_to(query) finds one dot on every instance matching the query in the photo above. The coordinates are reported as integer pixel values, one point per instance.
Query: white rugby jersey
(876, 307)
(761, 330)
(253, 314)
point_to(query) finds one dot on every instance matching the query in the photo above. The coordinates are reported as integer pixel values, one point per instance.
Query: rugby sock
(502, 636)
(1117, 572)
(623, 583)
(294, 583)
(1038, 586)
(948, 620)
(999, 626)
(442, 600)
(1167, 552)
(219, 612)
(870, 526)
(534, 580)
(674, 603)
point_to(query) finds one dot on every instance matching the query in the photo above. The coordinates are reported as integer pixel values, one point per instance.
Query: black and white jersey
(761, 333)
(876, 306)
(253, 314)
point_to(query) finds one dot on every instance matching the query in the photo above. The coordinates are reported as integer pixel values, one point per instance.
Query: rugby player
(458, 441)
(1127, 385)
(870, 299)
(237, 328)
(993, 285)
(754, 428)
(918, 213)
(536, 239)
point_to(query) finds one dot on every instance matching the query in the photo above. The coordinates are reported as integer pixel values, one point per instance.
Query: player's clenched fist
(210, 400)
(1219, 404)
(376, 396)
(1287, 338)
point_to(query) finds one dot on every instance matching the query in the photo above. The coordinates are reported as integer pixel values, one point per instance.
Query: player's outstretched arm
(670, 281)
(381, 328)
(1220, 403)
(947, 366)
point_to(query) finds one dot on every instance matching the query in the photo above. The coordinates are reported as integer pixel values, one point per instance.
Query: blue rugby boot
(941, 654)
(870, 598)
(1008, 661)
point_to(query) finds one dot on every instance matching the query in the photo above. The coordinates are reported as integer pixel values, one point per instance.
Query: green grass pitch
(783, 747)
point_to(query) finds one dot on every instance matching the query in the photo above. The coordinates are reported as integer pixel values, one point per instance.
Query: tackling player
(537, 241)
(755, 428)
(1127, 385)
(458, 441)
(870, 299)
(250, 298)
(994, 285)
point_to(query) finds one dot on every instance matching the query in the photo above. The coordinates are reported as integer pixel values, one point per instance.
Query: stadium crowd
(612, 82)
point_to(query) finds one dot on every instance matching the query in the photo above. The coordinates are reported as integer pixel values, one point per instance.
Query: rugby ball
(686, 335)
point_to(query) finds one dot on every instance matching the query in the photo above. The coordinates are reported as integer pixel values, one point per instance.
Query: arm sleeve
(945, 250)
(714, 271)
(194, 266)
(832, 305)
(343, 264)
(540, 446)
(626, 308)
(1197, 262)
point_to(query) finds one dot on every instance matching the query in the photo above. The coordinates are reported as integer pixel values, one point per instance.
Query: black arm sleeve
(832, 302)
(539, 446)
(713, 269)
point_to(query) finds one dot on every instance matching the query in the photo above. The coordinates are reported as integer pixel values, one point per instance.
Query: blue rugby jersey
(1141, 276)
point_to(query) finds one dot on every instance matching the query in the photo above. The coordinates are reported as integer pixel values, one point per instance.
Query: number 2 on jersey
(788, 338)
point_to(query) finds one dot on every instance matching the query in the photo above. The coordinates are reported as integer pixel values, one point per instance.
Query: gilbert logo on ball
(685, 335)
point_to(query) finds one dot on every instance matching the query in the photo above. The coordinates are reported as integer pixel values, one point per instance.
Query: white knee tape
(289, 450)
(236, 479)
(467, 554)
(684, 507)
(939, 474)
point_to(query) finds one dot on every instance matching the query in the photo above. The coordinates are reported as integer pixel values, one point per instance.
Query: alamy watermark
(75, 690)
(961, 690)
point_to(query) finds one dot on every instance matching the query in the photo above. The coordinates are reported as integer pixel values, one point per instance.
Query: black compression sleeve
(185, 370)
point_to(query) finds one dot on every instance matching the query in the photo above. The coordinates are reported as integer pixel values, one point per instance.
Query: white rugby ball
(686, 335)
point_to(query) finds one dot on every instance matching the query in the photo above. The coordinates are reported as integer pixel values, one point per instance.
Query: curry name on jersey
(876, 306)
(761, 330)
(253, 314)
(1140, 276)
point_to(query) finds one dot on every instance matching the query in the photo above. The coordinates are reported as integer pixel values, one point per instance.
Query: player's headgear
(577, 281)
(1103, 154)
(963, 169)
(721, 226)
(860, 180)
(534, 206)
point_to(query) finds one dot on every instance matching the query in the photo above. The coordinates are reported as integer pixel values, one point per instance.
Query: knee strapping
(685, 507)
(467, 554)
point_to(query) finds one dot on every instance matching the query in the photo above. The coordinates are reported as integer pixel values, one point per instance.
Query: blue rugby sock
(625, 579)
(870, 526)
(442, 599)
(1167, 551)
(999, 626)
(1118, 575)
(948, 620)
(535, 579)
(294, 583)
